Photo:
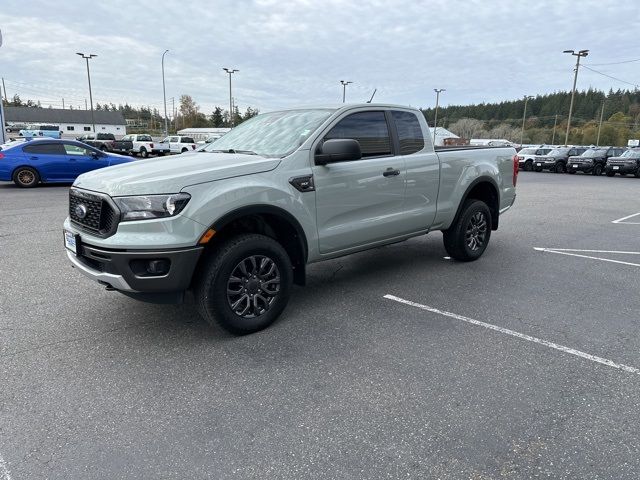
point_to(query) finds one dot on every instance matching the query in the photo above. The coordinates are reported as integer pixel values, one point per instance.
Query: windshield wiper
(232, 150)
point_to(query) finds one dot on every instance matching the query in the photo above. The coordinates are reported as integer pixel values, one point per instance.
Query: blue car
(30, 162)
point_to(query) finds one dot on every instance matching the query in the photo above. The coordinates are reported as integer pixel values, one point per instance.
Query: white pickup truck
(180, 144)
(238, 223)
(140, 144)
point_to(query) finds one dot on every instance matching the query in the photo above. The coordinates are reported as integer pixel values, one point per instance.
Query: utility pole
(435, 121)
(173, 109)
(63, 103)
(579, 54)
(164, 95)
(5, 91)
(600, 124)
(524, 116)
(230, 71)
(344, 89)
(87, 58)
(553, 136)
(3, 136)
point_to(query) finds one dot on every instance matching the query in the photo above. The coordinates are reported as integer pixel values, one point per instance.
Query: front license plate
(538, 164)
(575, 166)
(616, 168)
(71, 241)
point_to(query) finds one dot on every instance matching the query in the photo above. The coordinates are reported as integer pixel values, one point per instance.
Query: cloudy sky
(292, 52)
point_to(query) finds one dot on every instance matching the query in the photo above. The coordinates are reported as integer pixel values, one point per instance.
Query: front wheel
(637, 173)
(467, 239)
(26, 177)
(528, 166)
(610, 173)
(184, 150)
(559, 168)
(245, 284)
(597, 170)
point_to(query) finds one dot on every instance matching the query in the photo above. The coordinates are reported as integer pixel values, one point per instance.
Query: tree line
(546, 118)
(186, 115)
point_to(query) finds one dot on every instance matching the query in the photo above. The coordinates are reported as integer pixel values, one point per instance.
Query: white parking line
(522, 336)
(622, 220)
(567, 251)
(4, 471)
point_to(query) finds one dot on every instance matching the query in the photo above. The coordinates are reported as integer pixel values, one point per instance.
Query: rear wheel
(103, 148)
(528, 166)
(184, 150)
(637, 173)
(597, 170)
(559, 167)
(245, 284)
(26, 177)
(467, 239)
(143, 152)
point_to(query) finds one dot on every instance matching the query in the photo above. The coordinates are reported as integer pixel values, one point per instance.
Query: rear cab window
(409, 132)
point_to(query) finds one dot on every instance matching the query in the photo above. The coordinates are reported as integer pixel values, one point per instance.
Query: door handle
(72, 160)
(391, 172)
(33, 158)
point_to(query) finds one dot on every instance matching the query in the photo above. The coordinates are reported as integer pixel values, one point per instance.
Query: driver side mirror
(338, 150)
(97, 155)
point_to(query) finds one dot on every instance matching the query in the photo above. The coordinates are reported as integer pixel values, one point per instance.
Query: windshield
(631, 154)
(528, 151)
(275, 134)
(557, 152)
(594, 153)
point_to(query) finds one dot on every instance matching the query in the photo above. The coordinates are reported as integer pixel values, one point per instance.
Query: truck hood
(173, 173)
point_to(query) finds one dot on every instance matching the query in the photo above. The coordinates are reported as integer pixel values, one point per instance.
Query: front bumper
(124, 270)
(621, 168)
(546, 165)
(579, 167)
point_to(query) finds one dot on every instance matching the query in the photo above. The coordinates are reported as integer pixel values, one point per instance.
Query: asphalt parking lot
(477, 378)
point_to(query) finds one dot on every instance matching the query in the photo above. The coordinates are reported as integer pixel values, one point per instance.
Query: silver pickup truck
(238, 223)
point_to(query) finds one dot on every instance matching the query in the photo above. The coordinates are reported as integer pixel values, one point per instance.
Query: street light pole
(553, 135)
(344, 89)
(524, 116)
(164, 96)
(87, 58)
(578, 54)
(230, 71)
(435, 120)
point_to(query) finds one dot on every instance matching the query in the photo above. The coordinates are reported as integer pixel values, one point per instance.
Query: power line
(613, 63)
(609, 76)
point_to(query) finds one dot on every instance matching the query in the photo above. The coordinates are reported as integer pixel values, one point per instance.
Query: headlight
(145, 207)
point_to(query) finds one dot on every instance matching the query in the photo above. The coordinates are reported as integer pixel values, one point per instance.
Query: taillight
(515, 170)
(151, 145)
(1, 155)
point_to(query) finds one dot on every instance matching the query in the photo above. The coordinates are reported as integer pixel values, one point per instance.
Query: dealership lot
(350, 383)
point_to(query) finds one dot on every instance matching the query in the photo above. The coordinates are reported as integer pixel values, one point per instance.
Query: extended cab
(180, 144)
(238, 224)
(593, 160)
(140, 144)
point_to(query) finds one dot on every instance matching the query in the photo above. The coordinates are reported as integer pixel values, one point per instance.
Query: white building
(72, 123)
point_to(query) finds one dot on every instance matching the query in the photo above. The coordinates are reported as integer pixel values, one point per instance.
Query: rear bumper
(125, 270)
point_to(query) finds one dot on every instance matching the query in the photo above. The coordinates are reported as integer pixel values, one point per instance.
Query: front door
(82, 159)
(360, 202)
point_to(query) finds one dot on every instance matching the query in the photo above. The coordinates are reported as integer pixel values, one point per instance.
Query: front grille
(100, 217)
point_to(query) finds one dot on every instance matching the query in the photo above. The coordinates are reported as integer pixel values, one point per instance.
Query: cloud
(295, 52)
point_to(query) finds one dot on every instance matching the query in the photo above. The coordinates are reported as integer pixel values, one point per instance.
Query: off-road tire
(456, 239)
(212, 283)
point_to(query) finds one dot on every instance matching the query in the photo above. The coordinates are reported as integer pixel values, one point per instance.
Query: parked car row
(589, 160)
(139, 144)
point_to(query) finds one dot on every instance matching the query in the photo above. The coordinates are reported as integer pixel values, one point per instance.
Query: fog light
(158, 267)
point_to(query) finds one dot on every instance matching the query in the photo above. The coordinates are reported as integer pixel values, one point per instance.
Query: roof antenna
(373, 95)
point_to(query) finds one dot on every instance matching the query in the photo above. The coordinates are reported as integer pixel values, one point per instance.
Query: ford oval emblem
(80, 211)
